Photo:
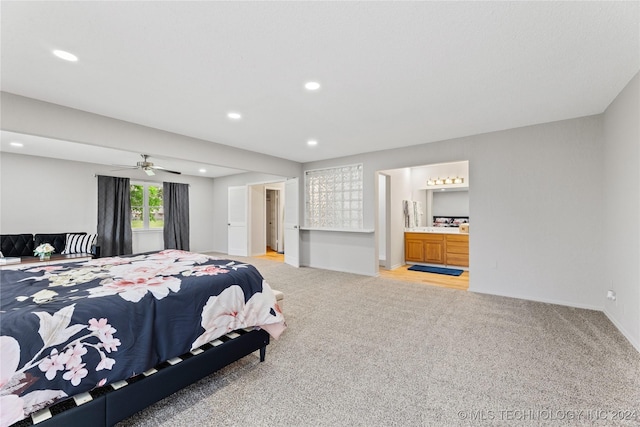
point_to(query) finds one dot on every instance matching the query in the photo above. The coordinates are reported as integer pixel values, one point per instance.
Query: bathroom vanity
(435, 245)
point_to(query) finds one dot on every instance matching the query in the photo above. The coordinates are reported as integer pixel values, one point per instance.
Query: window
(147, 211)
(333, 197)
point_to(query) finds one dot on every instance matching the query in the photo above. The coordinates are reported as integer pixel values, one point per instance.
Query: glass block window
(333, 197)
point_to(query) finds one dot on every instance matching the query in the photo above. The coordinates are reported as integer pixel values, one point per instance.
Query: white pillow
(79, 243)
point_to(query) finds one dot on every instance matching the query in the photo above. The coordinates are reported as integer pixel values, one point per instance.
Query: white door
(237, 222)
(291, 228)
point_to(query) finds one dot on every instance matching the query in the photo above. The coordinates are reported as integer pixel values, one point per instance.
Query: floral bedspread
(67, 328)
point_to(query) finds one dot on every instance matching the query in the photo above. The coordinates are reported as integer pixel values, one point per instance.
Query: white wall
(399, 190)
(621, 211)
(338, 251)
(257, 220)
(43, 195)
(382, 217)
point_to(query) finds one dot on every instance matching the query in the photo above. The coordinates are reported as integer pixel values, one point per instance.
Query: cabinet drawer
(457, 248)
(432, 237)
(458, 238)
(461, 260)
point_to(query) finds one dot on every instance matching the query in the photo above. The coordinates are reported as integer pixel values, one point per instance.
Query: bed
(97, 341)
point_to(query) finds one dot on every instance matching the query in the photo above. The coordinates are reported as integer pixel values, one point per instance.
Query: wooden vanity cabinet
(457, 250)
(424, 247)
(437, 248)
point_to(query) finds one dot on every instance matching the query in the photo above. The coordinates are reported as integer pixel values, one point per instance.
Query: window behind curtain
(147, 212)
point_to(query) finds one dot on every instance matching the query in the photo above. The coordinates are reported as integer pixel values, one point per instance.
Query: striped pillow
(79, 243)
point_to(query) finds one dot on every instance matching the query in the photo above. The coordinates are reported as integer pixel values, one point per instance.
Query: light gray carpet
(376, 352)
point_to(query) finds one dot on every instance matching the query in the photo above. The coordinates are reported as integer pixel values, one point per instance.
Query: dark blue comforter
(67, 328)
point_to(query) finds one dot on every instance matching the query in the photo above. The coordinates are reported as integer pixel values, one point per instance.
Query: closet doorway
(275, 241)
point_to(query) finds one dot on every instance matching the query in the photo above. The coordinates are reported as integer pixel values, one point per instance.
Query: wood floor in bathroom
(402, 273)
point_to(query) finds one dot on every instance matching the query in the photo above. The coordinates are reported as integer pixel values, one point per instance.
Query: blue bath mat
(437, 270)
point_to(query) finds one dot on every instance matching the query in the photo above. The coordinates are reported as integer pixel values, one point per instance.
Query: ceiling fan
(148, 167)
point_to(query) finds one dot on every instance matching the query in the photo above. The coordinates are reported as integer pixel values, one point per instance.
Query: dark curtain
(176, 215)
(114, 216)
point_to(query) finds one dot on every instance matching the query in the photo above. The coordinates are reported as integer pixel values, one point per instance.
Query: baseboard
(622, 330)
(536, 299)
(624, 333)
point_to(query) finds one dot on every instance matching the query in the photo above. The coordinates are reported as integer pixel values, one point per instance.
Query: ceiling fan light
(149, 171)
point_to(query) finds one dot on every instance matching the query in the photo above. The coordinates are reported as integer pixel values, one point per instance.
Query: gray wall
(450, 203)
(538, 198)
(534, 191)
(621, 211)
(44, 195)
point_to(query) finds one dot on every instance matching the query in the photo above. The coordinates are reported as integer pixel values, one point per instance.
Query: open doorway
(266, 212)
(415, 205)
(274, 219)
(252, 220)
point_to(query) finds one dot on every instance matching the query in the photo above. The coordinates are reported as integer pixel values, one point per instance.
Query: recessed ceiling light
(202, 170)
(312, 142)
(65, 55)
(16, 144)
(234, 116)
(312, 85)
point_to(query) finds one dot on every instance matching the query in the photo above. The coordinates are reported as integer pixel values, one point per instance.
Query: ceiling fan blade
(167, 170)
(123, 168)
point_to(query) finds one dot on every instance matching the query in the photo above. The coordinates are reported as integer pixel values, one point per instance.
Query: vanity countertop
(440, 230)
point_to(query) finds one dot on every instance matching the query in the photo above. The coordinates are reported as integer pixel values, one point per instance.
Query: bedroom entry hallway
(271, 255)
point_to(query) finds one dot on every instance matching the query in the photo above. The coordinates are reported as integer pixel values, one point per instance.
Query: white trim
(619, 326)
(536, 299)
(622, 330)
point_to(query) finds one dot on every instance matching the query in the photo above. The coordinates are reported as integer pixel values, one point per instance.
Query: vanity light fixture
(447, 181)
(67, 56)
(16, 144)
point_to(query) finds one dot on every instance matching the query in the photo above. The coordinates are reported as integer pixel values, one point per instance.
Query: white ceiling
(393, 73)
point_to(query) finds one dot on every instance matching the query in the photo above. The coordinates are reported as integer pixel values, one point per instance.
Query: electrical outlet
(611, 295)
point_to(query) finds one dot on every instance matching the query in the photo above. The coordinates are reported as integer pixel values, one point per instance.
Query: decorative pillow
(79, 243)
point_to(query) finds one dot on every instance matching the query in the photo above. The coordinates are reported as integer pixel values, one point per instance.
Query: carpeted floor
(376, 352)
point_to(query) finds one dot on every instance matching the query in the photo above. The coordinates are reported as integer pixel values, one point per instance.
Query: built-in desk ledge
(341, 230)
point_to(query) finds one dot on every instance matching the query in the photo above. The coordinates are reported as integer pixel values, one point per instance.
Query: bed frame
(105, 406)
